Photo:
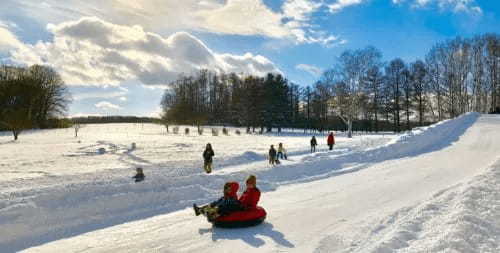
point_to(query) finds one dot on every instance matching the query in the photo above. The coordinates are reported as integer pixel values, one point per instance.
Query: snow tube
(241, 218)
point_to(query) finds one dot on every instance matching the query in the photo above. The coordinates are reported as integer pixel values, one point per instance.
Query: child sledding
(223, 206)
(229, 211)
(139, 176)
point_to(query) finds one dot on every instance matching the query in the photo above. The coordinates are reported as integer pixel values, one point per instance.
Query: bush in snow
(225, 131)
(186, 131)
(200, 131)
(176, 130)
(237, 132)
(215, 132)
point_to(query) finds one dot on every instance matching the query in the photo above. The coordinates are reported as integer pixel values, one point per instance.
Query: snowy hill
(434, 189)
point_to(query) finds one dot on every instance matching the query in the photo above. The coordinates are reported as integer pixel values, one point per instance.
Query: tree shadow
(250, 235)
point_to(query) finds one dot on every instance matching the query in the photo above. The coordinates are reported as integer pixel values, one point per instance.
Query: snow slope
(55, 186)
(379, 195)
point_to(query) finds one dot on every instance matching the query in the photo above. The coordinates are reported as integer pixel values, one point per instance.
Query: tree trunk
(349, 126)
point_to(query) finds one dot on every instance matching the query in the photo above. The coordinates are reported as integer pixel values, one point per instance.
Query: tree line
(31, 97)
(360, 91)
(112, 119)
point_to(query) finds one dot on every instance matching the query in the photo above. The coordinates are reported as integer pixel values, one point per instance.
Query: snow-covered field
(435, 189)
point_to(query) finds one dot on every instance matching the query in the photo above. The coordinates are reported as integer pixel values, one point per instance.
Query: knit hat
(252, 179)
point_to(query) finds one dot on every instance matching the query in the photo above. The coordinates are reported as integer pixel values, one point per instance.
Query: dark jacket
(250, 198)
(139, 177)
(272, 152)
(229, 203)
(208, 154)
(313, 142)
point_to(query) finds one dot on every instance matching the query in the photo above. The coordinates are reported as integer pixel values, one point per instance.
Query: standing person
(314, 143)
(330, 140)
(272, 155)
(207, 157)
(281, 151)
(139, 175)
(251, 196)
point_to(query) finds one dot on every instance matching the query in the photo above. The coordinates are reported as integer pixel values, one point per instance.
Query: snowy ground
(433, 190)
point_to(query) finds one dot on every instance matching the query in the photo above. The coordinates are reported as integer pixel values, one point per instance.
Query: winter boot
(196, 210)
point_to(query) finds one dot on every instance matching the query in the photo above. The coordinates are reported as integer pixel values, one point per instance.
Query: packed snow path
(396, 197)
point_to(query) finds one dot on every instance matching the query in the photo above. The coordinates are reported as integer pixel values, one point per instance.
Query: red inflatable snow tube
(240, 219)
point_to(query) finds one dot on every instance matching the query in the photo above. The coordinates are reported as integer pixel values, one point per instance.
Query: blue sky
(117, 56)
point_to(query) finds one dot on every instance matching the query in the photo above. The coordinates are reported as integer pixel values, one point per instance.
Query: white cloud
(106, 92)
(156, 113)
(105, 105)
(245, 17)
(467, 6)
(123, 99)
(239, 17)
(341, 4)
(313, 70)
(77, 115)
(92, 51)
(8, 41)
(300, 10)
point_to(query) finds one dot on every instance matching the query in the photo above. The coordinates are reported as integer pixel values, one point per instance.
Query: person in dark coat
(314, 143)
(272, 155)
(208, 155)
(251, 196)
(330, 140)
(227, 204)
(139, 176)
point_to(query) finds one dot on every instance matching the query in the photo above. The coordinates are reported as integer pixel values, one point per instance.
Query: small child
(208, 155)
(314, 143)
(251, 196)
(272, 155)
(281, 151)
(223, 206)
(139, 176)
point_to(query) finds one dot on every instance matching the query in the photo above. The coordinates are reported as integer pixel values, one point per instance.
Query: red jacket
(331, 139)
(250, 198)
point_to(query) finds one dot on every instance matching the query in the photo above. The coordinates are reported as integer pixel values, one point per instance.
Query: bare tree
(347, 79)
(395, 77)
(419, 83)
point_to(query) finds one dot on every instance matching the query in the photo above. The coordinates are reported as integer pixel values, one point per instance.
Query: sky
(118, 56)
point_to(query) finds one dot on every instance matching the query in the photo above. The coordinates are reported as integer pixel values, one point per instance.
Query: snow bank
(463, 218)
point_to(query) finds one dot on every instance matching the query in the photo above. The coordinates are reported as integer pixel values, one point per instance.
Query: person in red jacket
(251, 196)
(330, 140)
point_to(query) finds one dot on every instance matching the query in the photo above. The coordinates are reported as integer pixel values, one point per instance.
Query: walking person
(330, 140)
(272, 155)
(281, 151)
(208, 155)
(314, 143)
